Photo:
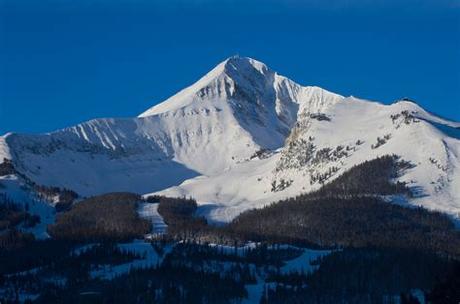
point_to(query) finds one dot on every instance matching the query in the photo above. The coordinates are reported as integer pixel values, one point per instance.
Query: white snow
(150, 211)
(18, 192)
(200, 141)
(248, 184)
(232, 250)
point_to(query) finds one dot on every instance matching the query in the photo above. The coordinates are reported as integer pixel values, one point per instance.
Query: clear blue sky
(63, 62)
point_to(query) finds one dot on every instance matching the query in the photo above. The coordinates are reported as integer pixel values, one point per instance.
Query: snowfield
(19, 192)
(241, 137)
(434, 180)
(149, 211)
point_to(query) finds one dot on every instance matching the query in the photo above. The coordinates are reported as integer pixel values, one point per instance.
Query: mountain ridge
(208, 141)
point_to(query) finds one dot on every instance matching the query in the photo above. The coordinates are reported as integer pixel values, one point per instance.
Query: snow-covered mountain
(241, 137)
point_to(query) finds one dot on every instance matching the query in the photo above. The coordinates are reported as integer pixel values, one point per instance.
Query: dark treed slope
(110, 216)
(370, 177)
(179, 215)
(348, 212)
(355, 222)
(13, 218)
(383, 248)
(364, 276)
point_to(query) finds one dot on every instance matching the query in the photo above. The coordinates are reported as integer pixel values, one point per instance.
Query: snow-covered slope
(17, 190)
(325, 148)
(238, 108)
(241, 137)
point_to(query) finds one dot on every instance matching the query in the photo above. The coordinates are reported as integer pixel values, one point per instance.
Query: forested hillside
(342, 243)
(351, 211)
(111, 216)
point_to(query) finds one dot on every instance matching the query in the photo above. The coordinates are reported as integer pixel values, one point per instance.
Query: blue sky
(63, 62)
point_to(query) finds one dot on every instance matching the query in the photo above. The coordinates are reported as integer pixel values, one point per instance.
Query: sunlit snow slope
(238, 108)
(326, 148)
(243, 136)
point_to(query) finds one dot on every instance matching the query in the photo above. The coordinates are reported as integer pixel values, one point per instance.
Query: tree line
(110, 216)
(347, 212)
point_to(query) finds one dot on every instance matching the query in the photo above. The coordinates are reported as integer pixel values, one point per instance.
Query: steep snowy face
(238, 108)
(243, 136)
(220, 83)
(99, 156)
(356, 130)
(4, 148)
(327, 141)
(262, 102)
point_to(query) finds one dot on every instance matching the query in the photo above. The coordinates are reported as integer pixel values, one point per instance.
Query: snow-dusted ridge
(203, 141)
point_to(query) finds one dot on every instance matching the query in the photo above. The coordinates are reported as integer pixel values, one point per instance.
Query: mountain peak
(240, 64)
(245, 72)
(266, 135)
